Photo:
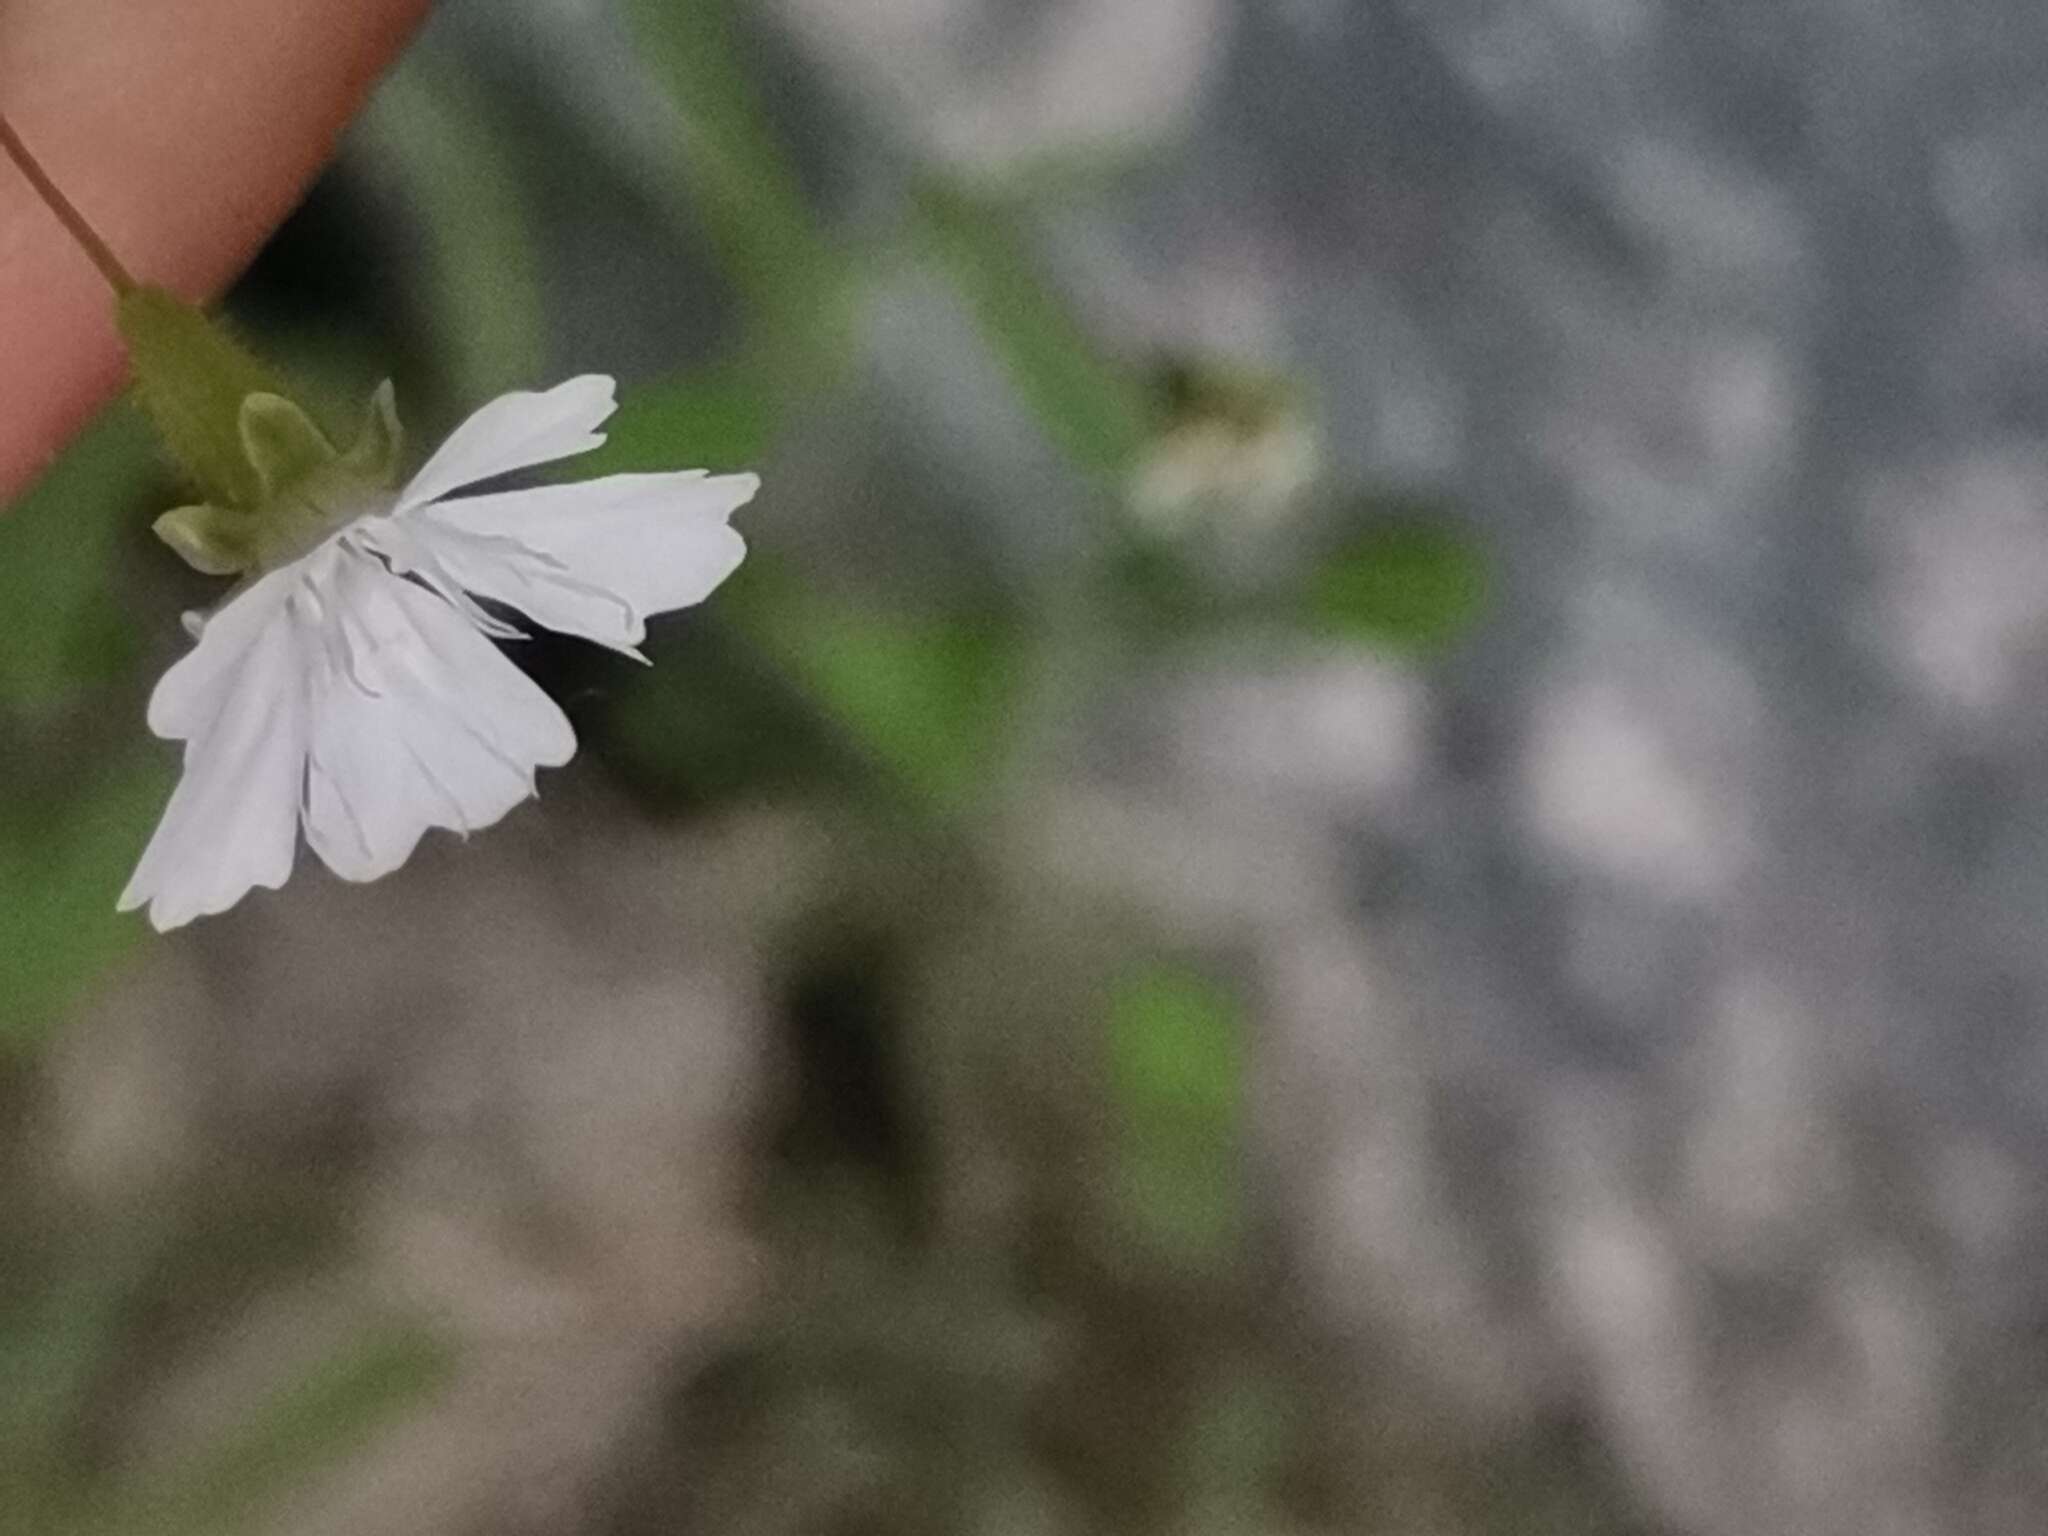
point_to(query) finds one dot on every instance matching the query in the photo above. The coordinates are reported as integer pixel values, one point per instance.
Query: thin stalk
(74, 222)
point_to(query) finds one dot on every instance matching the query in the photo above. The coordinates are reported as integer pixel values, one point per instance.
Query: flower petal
(419, 721)
(191, 694)
(516, 431)
(232, 823)
(593, 559)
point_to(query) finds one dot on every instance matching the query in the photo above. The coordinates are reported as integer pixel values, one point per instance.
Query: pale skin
(185, 130)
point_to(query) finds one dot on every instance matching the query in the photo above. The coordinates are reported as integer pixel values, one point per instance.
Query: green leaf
(1409, 584)
(1093, 410)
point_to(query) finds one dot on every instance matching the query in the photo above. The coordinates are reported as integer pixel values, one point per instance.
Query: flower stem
(67, 214)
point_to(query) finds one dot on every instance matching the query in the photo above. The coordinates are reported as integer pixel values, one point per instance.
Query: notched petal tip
(594, 393)
(516, 431)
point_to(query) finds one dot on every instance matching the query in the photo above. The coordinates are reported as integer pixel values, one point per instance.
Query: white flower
(353, 690)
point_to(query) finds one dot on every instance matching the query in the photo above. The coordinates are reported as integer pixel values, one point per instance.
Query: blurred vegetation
(1110, 1350)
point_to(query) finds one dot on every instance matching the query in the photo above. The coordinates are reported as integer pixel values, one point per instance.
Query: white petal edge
(516, 431)
(598, 558)
(233, 821)
(189, 696)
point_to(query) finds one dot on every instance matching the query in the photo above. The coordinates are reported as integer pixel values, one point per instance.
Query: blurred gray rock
(1678, 1060)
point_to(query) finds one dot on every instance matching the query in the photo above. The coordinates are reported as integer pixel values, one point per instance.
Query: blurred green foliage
(718, 416)
(77, 805)
(59, 872)
(1405, 582)
(444, 142)
(925, 699)
(329, 1412)
(1095, 412)
(737, 179)
(307, 1426)
(1176, 1076)
(59, 548)
(86, 1307)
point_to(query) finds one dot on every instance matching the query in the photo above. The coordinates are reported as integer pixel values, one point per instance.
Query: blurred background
(1364, 850)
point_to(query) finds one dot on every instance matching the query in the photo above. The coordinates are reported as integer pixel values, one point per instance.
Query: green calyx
(272, 483)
